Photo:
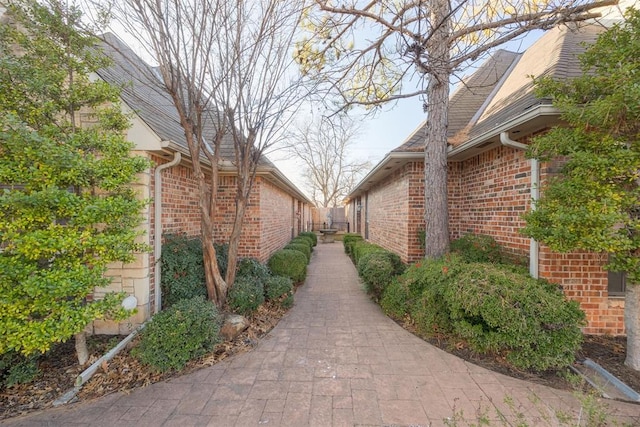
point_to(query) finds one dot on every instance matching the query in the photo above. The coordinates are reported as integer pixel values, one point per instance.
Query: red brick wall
(278, 218)
(488, 193)
(268, 222)
(395, 212)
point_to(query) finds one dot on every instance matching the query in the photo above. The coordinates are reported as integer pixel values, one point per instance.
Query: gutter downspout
(535, 194)
(157, 233)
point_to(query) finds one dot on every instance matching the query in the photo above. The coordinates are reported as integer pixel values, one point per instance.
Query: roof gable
(470, 97)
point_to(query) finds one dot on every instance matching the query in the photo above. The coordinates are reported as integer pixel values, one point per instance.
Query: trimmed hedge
(310, 234)
(348, 240)
(301, 247)
(251, 268)
(502, 311)
(304, 239)
(182, 268)
(377, 270)
(190, 328)
(289, 263)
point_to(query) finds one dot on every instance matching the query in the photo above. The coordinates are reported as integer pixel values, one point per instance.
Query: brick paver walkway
(335, 359)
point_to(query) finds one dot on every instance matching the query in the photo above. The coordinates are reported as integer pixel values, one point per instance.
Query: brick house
(492, 118)
(277, 210)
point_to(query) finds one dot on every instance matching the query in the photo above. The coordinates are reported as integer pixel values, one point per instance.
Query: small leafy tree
(594, 204)
(67, 209)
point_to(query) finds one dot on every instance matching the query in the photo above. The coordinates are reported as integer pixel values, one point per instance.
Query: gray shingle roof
(144, 92)
(468, 98)
(502, 88)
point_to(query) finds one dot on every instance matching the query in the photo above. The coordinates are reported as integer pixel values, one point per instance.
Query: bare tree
(371, 49)
(227, 67)
(322, 145)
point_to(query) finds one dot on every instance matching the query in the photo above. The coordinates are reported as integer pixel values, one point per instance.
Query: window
(617, 283)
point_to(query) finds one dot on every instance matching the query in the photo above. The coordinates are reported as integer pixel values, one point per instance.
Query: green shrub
(16, 368)
(182, 269)
(304, 239)
(426, 283)
(477, 248)
(377, 269)
(251, 268)
(186, 330)
(395, 299)
(348, 240)
(301, 247)
(279, 289)
(361, 248)
(313, 236)
(246, 295)
(530, 320)
(289, 263)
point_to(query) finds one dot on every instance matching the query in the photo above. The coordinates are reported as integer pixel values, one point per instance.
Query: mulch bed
(59, 368)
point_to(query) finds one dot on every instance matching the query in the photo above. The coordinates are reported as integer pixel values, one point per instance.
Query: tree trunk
(216, 286)
(436, 208)
(82, 352)
(632, 325)
(234, 239)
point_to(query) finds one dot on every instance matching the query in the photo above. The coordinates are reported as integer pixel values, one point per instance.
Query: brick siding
(488, 193)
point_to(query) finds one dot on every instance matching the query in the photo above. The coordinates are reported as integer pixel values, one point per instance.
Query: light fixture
(130, 302)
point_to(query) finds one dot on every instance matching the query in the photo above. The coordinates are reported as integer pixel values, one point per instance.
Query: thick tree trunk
(82, 352)
(436, 212)
(632, 326)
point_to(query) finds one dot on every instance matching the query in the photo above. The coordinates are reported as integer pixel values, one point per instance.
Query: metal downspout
(535, 194)
(157, 233)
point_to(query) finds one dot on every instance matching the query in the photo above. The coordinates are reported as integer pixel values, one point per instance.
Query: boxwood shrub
(186, 330)
(279, 289)
(304, 239)
(348, 240)
(530, 320)
(246, 295)
(251, 268)
(310, 234)
(289, 263)
(377, 269)
(301, 247)
(182, 268)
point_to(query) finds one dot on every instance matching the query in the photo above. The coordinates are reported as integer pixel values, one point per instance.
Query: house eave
(531, 121)
(390, 163)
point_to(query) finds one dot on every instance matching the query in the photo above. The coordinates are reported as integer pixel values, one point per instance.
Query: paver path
(335, 359)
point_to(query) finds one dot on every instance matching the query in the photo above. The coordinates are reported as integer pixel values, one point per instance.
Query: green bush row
(348, 240)
(292, 260)
(376, 266)
(493, 307)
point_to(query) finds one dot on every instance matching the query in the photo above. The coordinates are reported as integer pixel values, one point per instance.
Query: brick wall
(395, 212)
(279, 217)
(488, 193)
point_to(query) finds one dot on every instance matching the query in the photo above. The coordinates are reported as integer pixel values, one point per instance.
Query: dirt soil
(59, 368)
